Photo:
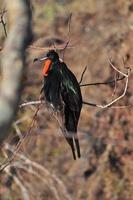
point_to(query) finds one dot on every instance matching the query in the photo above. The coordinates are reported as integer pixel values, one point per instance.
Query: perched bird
(62, 93)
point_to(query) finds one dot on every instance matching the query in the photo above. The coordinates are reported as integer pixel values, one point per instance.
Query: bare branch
(21, 141)
(69, 32)
(89, 104)
(23, 189)
(3, 22)
(102, 83)
(16, 127)
(121, 96)
(59, 47)
(82, 75)
(13, 55)
(117, 70)
(44, 175)
(30, 103)
(54, 45)
(115, 87)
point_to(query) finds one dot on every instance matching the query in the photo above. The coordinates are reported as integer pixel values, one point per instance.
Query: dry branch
(3, 22)
(21, 141)
(55, 184)
(24, 191)
(30, 103)
(126, 75)
(69, 33)
(13, 62)
(102, 83)
(82, 76)
(59, 47)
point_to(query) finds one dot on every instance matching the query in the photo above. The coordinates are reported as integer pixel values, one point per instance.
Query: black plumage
(62, 93)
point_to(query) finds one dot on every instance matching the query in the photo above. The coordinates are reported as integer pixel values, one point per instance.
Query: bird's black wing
(72, 98)
(70, 89)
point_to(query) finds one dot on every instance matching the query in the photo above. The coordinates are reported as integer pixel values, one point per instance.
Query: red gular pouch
(46, 67)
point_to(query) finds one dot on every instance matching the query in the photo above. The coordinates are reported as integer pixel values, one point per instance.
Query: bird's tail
(71, 122)
(69, 130)
(74, 144)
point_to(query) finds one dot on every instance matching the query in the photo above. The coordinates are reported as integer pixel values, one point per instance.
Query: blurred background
(44, 168)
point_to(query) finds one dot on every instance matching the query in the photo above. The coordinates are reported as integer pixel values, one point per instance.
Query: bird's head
(50, 58)
(53, 56)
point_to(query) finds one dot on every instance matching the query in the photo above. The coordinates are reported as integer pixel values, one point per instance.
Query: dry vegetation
(44, 169)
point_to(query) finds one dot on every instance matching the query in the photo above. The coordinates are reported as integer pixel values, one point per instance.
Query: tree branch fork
(124, 76)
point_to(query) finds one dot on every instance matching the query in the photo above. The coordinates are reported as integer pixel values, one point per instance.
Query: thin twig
(47, 48)
(117, 70)
(54, 45)
(102, 83)
(50, 185)
(69, 33)
(115, 87)
(50, 177)
(121, 96)
(82, 75)
(16, 127)
(21, 141)
(115, 107)
(89, 104)
(3, 22)
(30, 103)
(23, 189)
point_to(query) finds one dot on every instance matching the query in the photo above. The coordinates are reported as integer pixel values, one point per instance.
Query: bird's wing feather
(72, 94)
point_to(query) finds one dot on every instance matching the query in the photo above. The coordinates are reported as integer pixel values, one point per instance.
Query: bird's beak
(46, 66)
(40, 59)
(44, 58)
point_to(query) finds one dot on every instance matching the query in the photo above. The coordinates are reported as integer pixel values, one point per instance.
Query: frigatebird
(62, 93)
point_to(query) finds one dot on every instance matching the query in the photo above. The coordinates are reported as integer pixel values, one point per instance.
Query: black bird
(62, 93)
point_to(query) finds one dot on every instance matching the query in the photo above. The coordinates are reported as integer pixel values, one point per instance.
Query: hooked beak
(40, 59)
(47, 64)
(44, 58)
